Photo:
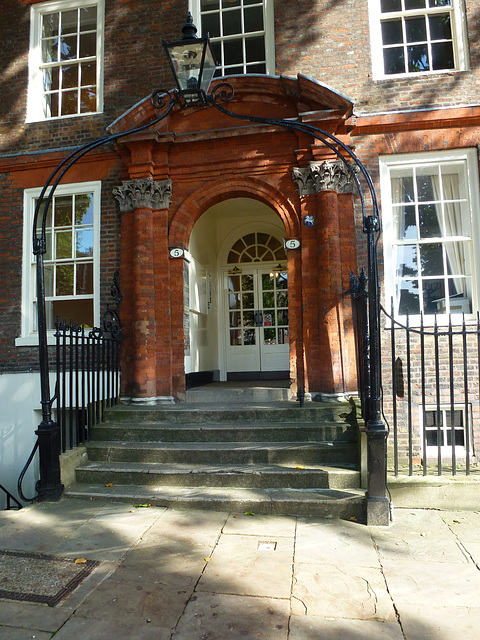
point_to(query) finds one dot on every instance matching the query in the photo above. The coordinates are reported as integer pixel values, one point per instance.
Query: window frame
(269, 29)
(459, 38)
(35, 102)
(28, 335)
(431, 451)
(469, 158)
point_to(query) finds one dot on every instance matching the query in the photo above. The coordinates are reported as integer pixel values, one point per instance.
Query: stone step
(232, 393)
(292, 453)
(329, 503)
(279, 413)
(228, 432)
(256, 476)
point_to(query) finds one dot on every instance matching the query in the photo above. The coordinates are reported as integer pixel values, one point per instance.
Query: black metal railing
(9, 500)
(432, 393)
(87, 380)
(87, 372)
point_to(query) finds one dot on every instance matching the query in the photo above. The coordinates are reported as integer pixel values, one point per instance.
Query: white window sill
(34, 119)
(32, 341)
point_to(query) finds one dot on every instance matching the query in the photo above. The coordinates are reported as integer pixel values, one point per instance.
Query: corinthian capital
(145, 192)
(324, 176)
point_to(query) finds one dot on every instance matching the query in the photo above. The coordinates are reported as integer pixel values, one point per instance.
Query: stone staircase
(229, 449)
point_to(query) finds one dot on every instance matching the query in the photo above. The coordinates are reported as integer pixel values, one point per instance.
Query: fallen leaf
(249, 513)
(235, 516)
(146, 505)
(456, 522)
(109, 484)
(80, 561)
(207, 559)
(353, 519)
(302, 466)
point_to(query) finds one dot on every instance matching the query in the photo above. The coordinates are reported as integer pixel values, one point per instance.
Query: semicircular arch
(208, 195)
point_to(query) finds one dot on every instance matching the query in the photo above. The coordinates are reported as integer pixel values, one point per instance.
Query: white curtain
(454, 227)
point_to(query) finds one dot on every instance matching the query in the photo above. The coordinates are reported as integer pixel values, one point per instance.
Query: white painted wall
(19, 418)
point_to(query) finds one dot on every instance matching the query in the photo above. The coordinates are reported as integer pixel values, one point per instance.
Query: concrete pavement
(167, 574)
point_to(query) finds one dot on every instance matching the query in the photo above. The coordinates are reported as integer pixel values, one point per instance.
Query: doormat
(36, 577)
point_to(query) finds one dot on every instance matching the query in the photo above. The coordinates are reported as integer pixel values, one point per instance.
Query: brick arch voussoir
(207, 196)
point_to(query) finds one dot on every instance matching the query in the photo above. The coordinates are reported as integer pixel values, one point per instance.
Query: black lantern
(192, 62)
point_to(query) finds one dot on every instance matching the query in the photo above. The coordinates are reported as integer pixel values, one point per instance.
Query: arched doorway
(237, 313)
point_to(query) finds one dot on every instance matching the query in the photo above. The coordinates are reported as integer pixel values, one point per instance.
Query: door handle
(258, 317)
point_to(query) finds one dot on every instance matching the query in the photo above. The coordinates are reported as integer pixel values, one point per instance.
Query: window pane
(253, 19)
(69, 77)
(63, 211)
(64, 284)
(247, 301)
(50, 50)
(230, 3)
(208, 5)
(431, 259)
(440, 27)
(409, 300)
(48, 275)
(233, 52)
(51, 105)
(429, 222)
(433, 295)
(88, 18)
(391, 5)
(51, 79)
(247, 283)
(255, 49)
(88, 100)
(88, 45)
(232, 22)
(69, 103)
(249, 336)
(404, 222)
(69, 21)
(406, 261)
(439, 3)
(84, 209)
(248, 319)
(88, 72)
(257, 68)
(84, 279)
(394, 60)
(392, 32)
(63, 244)
(79, 311)
(68, 48)
(424, 187)
(50, 25)
(211, 24)
(414, 4)
(418, 58)
(84, 243)
(269, 336)
(442, 56)
(416, 29)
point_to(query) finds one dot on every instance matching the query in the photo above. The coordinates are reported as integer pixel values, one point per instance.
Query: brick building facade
(398, 80)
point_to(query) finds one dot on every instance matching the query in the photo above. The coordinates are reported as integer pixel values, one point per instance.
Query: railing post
(378, 505)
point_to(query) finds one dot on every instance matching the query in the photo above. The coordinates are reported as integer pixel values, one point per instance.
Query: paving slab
(440, 623)
(315, 628)
(422, 547)
(83, 628)
(341, 592)
(10, 633)
(109, 534)
(430, 583)
(250, 565)
(321, 541)
(465, 527)
(260, 525)
(218, 617)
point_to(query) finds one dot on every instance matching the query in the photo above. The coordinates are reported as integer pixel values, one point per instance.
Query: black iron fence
(430, 387)
(431, 394)
(87, 379)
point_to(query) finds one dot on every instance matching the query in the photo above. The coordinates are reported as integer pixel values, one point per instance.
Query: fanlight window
(257, 247)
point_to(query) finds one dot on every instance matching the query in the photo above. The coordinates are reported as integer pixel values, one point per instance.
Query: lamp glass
(193, 64)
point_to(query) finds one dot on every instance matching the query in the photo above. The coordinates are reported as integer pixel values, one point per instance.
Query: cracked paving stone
(341, 592)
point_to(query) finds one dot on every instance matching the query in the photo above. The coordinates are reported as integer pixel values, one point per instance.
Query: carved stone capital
(145, 192)
(324, 176)
(304, 180)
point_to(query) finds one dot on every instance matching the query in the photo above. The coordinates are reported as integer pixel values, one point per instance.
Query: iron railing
(87, 373)
(432, 393)
(88, 380)
(9, 500)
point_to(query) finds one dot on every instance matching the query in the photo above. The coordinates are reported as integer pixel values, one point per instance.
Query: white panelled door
(257, 320)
